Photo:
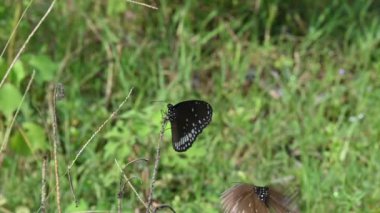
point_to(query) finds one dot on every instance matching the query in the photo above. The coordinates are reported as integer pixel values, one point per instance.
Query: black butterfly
(249, 198)
(188, 119)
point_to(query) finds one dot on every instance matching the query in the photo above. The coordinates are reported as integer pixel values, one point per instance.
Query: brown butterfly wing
(252, 203)
(231, 197)
(281, 203)
(242, 199)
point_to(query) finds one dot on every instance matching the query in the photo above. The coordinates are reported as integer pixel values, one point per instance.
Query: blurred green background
(294, 86)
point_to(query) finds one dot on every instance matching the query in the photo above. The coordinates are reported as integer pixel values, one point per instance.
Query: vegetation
(294, 85)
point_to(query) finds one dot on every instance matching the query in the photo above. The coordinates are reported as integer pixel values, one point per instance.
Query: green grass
(283, 111)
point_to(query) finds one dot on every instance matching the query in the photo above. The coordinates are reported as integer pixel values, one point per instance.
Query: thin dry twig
(100, 128)
(135, 160)
(15, 28)
(156, 163)
(72, 188)
(92, 211)
(52, 106)
(122, 184)
(4, 210)
(142, 4)
(120, 195)
(10, 127)
(26, 42)
(130, 185)
(43, 186)
(164, 207)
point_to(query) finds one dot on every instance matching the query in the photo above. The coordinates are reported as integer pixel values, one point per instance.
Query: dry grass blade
(122, 183)
(9, 129)
(15, 28)
(72, 188)
(130, 185)
(120, 195)
(143, 4)
(113, 114)
(26, 42)
(52, 106)
(43, 186)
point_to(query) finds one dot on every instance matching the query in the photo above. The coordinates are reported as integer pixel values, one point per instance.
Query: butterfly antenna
(158, 101)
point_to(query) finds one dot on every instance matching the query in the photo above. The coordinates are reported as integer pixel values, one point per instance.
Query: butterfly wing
(188, 119)
(252, 204)
(242, 199)
(231, 197)
(281, 203)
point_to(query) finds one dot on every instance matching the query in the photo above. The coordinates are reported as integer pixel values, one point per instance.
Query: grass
(294, 88)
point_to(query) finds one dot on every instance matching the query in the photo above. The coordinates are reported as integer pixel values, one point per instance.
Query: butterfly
(187, 120)
(249, 198)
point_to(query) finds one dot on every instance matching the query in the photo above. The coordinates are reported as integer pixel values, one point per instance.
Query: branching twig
(121, 191)
(130, 185)
(26, 42)
(156, 163)
(122, 183)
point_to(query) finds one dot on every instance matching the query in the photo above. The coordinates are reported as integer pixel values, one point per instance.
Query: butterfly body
(188, 119)
(262, 193)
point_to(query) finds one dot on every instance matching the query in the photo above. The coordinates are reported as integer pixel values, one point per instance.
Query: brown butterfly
(247, 198)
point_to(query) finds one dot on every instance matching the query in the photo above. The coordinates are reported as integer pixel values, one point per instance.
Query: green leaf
(115, 7)
(45, 67)
(18, 145)
(284, 62)
(82, 206)
(36, 135)
(18, 73)
(10, 98)
(3, 67)
(3, 200)
(22, 209)
(110, 149)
